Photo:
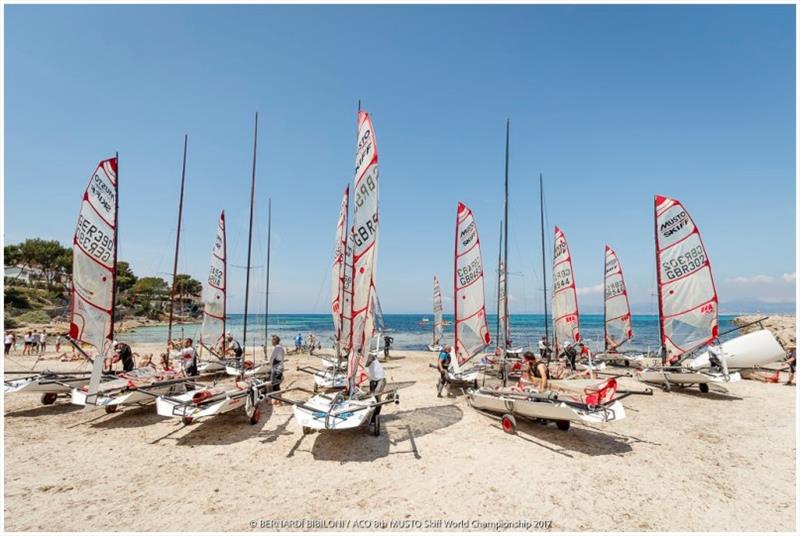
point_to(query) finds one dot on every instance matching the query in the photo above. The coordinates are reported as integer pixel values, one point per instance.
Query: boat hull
(181, 406)
(684, 378)
(314, 413)
(43, 384)
(494, 402)
(746, 351)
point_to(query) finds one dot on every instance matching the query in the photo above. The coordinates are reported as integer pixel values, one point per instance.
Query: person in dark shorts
(387, 343)
(443, 364)
(792, 362)
(122, 352)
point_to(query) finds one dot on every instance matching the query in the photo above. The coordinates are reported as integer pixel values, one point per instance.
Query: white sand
(678, 462)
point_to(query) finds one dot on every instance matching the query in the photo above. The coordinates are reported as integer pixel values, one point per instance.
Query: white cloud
(752, 279)
(594, 289)
(789, 278)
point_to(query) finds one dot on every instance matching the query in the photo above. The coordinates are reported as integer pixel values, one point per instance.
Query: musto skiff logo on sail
(470, 272)
(684, 264)
(102, 193)
(674, 224)
(561, 248)
(93, 240)
(467, 235)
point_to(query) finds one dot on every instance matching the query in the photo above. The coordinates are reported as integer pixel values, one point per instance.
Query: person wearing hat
(122, 352)
(443, 364)
(535, 371)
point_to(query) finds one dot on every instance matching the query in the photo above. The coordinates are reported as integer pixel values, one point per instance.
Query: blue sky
(612, 103)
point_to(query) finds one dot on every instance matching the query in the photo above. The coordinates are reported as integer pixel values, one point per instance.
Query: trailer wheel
(475, 384)
(703, 387)
(49, 398)
(376, 425)
(256, 416)
(111, 408)
(627, 363)
(563, 425)
(509, 424)
(307, 430)
(187, 420)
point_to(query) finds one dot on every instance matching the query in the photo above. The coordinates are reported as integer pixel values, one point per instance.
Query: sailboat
(471, 330)
(92, 292)
(617, 326)
(246, 391)
(351, 408)
(688, 311)
(212, 331)
(438, 326)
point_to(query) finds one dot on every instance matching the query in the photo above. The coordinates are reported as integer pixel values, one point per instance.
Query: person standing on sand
(42, 342)
(276, 360)
(9, 340)
(189, 358)
(443, 365)
(298, 342)
(377, 380)
(792, 362)
(26, 350)
(58, 343)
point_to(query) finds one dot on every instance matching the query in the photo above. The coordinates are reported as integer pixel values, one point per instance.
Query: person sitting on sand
(534, 371)
(122, 352)
(443, 365)
(276, 360)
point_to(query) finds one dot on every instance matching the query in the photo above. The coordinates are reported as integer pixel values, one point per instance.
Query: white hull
(435, 347)
(495, 402)
(467, 376)
(181, 406)
(614, 358)
(121, 398)
(684, 378)
(746, 351)
(332, 362)
(210, 367)
(43, 384)
(259, 371)
(319, 413)
(330, 379)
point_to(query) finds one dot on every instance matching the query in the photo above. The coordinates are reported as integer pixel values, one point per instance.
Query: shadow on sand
(55, 409)
(396, 428)
(129, 417)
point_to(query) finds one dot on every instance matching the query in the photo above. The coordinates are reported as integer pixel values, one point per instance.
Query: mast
(605, 308)
(544, 268)
(662, 349)
(249, 243)
(177, 243)
(499, 280)
(505, 252)
(266, 302)
(116, 241)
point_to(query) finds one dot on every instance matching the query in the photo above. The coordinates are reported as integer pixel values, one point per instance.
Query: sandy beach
(680, 461)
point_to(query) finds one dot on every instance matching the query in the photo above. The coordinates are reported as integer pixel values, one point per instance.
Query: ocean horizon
(409, 331)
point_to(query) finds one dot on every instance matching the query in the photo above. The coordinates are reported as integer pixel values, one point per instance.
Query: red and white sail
(566, 326)
(471, 329)
(214, 293)
(338, 268)
(94, 258)
(618, 328)
(687, 297)
(365, 235)
(438, 321)
(502, 306)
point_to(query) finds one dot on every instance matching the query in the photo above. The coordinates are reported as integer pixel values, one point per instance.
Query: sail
(471, 329)
(365, 235)
(438, 323)
(566, 327)
(375, 322)
(617, 309)
(94, 257)
(504, 330)
(687, 298)
(337, 271)
(214, 293)
(345, 342)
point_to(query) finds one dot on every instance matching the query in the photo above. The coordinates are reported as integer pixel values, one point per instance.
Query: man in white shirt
(9, 340)
(377, 379)
(42, 342)
(189, 358)
(276, 359)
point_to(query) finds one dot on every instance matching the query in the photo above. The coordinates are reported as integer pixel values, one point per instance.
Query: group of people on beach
(33, 343)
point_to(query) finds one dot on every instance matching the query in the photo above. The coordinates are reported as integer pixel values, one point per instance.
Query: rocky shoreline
(784, 327)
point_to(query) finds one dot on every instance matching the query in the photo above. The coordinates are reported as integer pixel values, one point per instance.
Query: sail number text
(683, 264)
(93, 240)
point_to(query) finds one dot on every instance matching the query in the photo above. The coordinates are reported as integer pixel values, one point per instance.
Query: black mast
(544, 272)
(177, 243)
(266, 300)
(505, 262)
(249, 244)
(499, 281)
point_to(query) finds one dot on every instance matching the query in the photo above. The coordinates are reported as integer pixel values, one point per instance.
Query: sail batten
(617, 311)
(470, 326)
(566, 323)
(687, 296)
(215, 292)
(364, 237)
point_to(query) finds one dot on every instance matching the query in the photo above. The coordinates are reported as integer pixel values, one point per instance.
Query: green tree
(44, 255)
(125, 277)
(12, 255)
(149, 289)
(185, 285)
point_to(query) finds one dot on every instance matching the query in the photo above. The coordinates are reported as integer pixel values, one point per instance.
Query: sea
(409, 331)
